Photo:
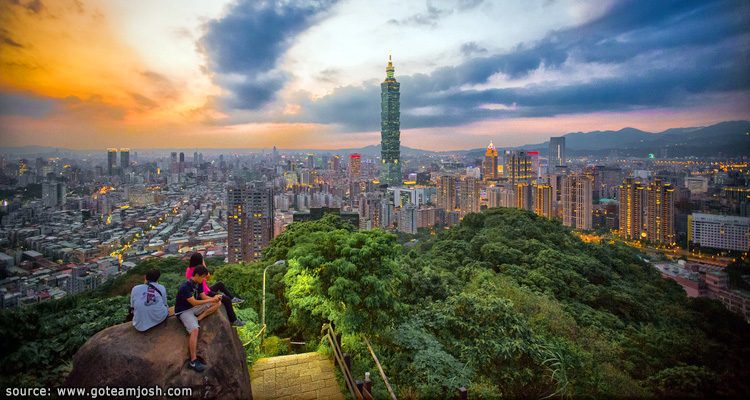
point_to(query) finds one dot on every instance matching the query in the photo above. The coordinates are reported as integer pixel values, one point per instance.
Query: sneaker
(196, 365)
(237, 300)
(238, 322)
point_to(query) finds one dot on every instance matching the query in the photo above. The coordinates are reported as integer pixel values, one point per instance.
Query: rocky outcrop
(120, 356)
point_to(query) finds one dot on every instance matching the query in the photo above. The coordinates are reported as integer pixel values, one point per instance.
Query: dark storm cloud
(670, 52)
(244, 46)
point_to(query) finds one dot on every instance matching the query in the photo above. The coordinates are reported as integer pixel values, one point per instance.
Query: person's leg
(193, 344)
(208, 311)
(227, 301)
(220, 287)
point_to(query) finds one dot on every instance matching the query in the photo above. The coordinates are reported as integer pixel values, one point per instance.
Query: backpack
(129, 317)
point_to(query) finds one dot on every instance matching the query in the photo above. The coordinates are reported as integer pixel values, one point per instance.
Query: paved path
(299, 376)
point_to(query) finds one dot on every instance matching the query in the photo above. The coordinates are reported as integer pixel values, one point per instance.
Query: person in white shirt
(149, 302)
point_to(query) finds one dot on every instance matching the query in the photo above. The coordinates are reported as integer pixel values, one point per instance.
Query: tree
(351, 278)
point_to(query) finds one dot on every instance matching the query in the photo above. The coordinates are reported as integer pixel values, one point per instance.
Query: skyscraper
(523, 196)
(631, 208)
(111, 161)
(355, 165)
(660, 212)
(577, 201)
(489, 165)
(390, 125)
(310, 164)
(446, 192)
(518, 166)
(469, 195)
(124, 158)
(249, 221)
(543, 200)
(556, 155)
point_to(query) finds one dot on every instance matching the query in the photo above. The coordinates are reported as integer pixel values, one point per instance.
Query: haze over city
(87, 74)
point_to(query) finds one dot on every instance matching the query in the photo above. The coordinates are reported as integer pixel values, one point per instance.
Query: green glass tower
(390, 128)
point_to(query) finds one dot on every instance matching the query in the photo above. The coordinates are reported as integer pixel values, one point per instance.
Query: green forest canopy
(506, 303)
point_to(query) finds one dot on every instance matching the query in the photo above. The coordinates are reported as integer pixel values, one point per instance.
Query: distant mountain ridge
(727, 139)
(730, 138)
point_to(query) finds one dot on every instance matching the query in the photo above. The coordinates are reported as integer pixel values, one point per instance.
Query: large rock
(120, 356)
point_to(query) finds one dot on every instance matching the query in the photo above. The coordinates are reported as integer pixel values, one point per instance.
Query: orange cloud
(67, 50)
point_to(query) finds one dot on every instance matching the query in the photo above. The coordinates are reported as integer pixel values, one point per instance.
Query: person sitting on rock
(228, 299)
(149, 302)
(192, 305)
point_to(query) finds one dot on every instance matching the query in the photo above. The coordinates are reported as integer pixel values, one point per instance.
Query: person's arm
(163, 292)
(132, 297)
(204, 299)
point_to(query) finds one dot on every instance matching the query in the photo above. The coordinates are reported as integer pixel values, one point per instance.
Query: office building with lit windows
(631, 198)
(723, 232)
(556, 154)
(249, 221)
(518, 167)
(577, 201)
(390, 128)
(489, 164)
(660, 212)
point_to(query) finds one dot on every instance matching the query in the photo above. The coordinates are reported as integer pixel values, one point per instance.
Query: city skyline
(88, 73)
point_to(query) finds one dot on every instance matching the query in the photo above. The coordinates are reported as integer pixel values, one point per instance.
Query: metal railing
(360, 390)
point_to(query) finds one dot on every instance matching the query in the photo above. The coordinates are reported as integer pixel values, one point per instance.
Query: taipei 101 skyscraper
(390, 128)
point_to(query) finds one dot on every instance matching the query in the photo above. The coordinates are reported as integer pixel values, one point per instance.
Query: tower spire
(389, 70)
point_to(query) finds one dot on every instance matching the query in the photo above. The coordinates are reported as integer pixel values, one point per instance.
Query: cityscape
(661, 188)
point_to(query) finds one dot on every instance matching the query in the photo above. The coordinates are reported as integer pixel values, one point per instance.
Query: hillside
(728, 138)
(506, 303)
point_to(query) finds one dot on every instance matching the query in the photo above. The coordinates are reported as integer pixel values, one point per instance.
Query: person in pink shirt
(217, 288)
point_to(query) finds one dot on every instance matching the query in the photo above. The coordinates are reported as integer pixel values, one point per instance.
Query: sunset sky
(88, 74)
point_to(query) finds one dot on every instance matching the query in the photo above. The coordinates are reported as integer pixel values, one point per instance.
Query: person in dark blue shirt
(192, 305)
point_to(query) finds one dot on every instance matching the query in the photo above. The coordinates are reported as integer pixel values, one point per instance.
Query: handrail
(340, 360)
(263, 329)
(380, 369)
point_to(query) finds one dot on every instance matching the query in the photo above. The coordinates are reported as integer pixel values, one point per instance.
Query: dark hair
(153, 275)
(200, 271)
(196, 259)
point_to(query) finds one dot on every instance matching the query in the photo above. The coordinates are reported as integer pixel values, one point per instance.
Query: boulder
(122, 357)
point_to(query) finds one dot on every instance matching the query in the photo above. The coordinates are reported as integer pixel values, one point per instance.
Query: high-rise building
(124, 159)
(310, 164)
(111, 161)
(660, 212)
(446, 192)
(469, 195)
(407, 219)
(334, 163)
(518, 166)
(355, 165)
(489, 165)
(543, 200)
(53, 193)
(556, 155)
(249, 221)
(723, 232)
(631, 208)
(390, 128)
(523, 196)
(577, 201)
(501, 196)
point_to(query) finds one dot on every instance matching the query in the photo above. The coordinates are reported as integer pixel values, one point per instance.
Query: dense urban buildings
(390, 128)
